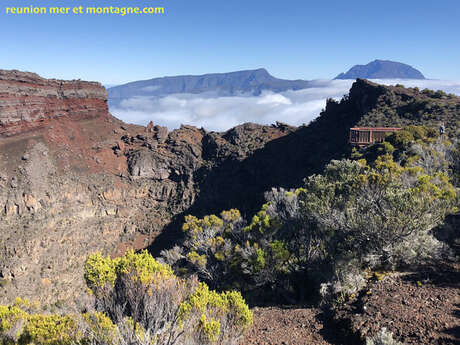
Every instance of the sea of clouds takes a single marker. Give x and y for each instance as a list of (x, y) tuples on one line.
[(219, 113)]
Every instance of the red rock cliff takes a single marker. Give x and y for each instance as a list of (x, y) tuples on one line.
[(27, 101)]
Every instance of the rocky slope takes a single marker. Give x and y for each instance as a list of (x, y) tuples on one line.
[(74, 180)]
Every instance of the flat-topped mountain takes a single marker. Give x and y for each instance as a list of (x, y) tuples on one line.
[(382, 69), (224, 84)]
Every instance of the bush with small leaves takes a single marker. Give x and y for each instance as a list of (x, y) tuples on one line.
[(12, 320), (354, 216), (98, 329), (222, 317), (20, 326), (409, 135), (209, 246), (454, 160), (151, 305), (49, 330)]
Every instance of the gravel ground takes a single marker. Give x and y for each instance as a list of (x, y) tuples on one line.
[(285, 326), (420, 307)]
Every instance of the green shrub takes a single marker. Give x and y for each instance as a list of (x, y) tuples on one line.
[(223, 317), (9, 315), (210, 246), (99, 271), (18, 326), (148, 303), (49, 330), (353, 216), (139, 301), (98, 328)]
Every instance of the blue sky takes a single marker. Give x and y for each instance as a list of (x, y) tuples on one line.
[(291, 38)]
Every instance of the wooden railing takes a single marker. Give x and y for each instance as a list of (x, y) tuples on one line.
[(362, 136)]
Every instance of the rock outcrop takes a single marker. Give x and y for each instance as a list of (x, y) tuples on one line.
[(28, 101)]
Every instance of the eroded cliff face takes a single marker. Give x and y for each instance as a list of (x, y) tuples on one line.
[(75, 180), (57, 196), (28, 101)]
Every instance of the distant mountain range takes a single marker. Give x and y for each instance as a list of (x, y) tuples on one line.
[(223, 84), (251, 82), (382, 69)]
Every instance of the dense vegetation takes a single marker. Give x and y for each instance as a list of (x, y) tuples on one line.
[(138, 301), (399, 106), (373, 213)]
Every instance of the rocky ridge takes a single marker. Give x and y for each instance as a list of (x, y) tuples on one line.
[(28, 101)]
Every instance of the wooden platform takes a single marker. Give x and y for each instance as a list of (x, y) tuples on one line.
[(362, 136)]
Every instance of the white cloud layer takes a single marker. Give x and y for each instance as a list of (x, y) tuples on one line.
[(221, 113)]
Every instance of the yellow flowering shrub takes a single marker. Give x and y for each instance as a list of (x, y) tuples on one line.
[(49, 330)]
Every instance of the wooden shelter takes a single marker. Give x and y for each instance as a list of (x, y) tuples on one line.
[(362, 136)]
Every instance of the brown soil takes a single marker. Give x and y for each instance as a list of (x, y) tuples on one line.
[(275, 325), (418, 308)]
